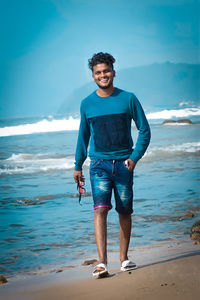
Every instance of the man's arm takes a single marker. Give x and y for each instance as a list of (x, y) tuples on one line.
[(81, 147), (144, 134)]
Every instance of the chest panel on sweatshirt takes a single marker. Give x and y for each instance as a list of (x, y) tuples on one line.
[(110, 132)]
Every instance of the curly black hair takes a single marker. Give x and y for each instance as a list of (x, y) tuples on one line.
[(101, 58)]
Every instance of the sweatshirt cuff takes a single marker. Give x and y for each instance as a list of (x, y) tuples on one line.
[(134, 157), (77, 168)]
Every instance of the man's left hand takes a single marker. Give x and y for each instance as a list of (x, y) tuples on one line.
[(130, 164)]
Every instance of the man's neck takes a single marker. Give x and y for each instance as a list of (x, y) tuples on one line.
[(105, 92)]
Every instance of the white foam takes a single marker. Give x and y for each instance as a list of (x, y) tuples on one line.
[(41, 126), (177, 113), (176, 124), (25, 163), (170, 150)]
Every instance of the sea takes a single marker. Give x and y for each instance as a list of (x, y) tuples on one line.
[(42, 224)]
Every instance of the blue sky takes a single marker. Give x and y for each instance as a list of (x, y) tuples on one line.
[(45, 44)]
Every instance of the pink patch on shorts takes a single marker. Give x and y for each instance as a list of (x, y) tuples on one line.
[(102, 206)]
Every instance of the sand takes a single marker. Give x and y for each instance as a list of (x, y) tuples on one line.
[(177, 278), (169, 270)]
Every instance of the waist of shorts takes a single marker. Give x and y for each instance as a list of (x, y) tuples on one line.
[(111, 160), (119, 155)]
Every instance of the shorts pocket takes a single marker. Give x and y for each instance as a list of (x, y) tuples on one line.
[(94, 163)]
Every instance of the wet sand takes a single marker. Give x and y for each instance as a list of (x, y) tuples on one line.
[(175, 279), (172, 276)]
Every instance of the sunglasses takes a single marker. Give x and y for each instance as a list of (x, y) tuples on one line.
[(81, 189)]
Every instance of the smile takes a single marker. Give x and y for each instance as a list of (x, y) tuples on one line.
[(104, 80)]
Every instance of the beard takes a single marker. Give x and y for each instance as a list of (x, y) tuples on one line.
[(104, 87)]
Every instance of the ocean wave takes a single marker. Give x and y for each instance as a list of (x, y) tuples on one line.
[(173, 150), (175, 113), (176, 124), (25, 163), (41, 126), (54, 125)]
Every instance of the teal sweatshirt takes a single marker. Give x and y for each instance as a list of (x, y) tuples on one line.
[(106, 126)]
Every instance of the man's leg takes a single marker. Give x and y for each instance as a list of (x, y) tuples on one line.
[(125, 223), (101, 184), (100, 225), (123, 190)]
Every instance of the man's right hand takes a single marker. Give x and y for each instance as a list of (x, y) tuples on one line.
[(78, 176)]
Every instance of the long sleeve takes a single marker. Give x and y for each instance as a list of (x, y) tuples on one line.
[(144, 134), (83, 141)]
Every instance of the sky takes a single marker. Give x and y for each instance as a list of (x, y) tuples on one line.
[(45, 44)]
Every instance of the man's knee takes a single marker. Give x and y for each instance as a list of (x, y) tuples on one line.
[(101, 211), (125, 216)]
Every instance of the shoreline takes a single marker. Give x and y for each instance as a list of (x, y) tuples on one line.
[(150, 258), (142, 254)]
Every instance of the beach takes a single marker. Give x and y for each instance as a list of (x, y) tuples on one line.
[(46, 235), (164, 272)]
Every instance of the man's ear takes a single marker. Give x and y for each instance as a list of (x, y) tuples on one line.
[(114, 73)]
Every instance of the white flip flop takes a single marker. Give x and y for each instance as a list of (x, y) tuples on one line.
[(128, 265), (100, 270)]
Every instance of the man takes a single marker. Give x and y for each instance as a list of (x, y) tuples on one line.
[(106, 117)]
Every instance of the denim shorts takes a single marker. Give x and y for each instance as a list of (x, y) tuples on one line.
[(107, 175)]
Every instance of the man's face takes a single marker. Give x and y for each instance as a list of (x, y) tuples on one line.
[(103, 75)]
